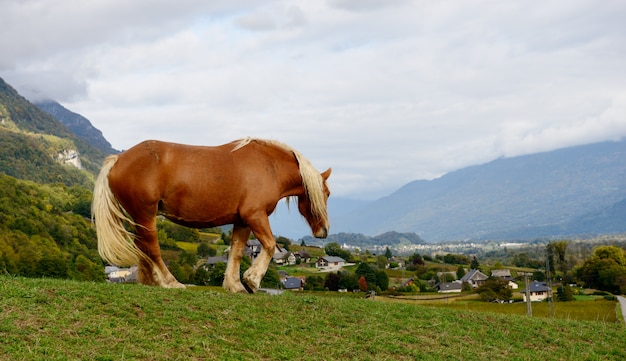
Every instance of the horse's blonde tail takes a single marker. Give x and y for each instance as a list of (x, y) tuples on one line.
[(115, 243)]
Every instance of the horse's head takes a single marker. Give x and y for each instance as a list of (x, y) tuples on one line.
[(313, 208)]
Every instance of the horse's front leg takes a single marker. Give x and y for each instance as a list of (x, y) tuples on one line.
[(232, 281), (253, 276)]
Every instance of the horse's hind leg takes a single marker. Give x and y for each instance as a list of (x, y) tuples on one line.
[(151, 269), (232, 281)]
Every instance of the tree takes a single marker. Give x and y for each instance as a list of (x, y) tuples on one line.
[(314, 282), (187, 258), (417, 260), (475, 264), (348, 281), (605, 270), (556, 255), (332, 282), (334, 249), (460, 272), (362, 284), (216, 276), (271, 278), (366, 271), (564, 293), (201, 277), (456, 259), (284, 242), (381, 261), (388, 253), (205, 250), (84, 269), (494, 288), (382, 280), (52, 266)]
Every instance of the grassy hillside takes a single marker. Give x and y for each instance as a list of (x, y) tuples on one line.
[(68, 320)]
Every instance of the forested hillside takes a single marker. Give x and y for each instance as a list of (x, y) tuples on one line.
[(46, 177), (44, 231)]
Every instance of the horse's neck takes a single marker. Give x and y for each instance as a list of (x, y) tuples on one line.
[(288, 174)]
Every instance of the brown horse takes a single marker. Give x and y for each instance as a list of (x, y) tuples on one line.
[(238, 183)]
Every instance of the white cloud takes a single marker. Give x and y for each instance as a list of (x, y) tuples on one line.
[(385, 92)]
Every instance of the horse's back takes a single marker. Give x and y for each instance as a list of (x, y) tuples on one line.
[(193, 184)]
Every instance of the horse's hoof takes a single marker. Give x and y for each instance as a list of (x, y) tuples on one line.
[(248, 288)]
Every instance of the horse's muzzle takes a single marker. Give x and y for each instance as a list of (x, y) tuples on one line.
[(322, 233)]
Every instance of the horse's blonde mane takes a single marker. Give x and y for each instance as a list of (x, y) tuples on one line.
[(311, 179)]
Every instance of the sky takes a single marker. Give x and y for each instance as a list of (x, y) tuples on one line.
[(385, 92)]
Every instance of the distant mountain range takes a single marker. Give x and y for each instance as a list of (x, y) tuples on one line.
[(573, 191)]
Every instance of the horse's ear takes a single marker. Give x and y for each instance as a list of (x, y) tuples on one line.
[(326, 173)]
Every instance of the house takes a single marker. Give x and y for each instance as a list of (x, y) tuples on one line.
[(253, 248), (294, 283), (303, 256), (283, 275), (395, 261), (121, 275), (539, 291), (212, 261), (505, 274), (474, 277), (284, 257), (449, 287), (330, 261)]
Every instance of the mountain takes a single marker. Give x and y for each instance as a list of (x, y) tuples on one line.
[(35, 146), (573, 191), (366, 242), (77, 124)]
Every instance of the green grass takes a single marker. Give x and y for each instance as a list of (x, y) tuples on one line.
[(590, 308), (45, 319)]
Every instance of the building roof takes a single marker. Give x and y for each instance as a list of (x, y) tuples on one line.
[(333, 259), (450, 286), (216, 259), (501, 273), (292, 283), (474, 275), (282, 254), (537, 286), (303, 253)]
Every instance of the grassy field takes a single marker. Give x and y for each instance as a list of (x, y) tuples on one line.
[(590, 308), (44, 319)]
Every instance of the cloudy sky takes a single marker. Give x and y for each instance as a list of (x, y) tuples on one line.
[(383, 91)]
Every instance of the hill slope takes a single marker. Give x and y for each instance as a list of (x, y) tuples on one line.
[(579, 190), (64, 320)]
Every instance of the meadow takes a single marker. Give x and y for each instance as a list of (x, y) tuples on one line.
[(48, 319)]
